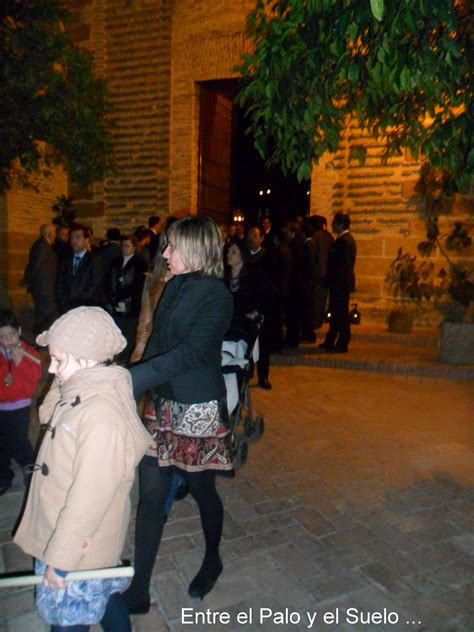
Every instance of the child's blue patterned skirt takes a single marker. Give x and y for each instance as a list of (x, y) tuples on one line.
[(82, 602)]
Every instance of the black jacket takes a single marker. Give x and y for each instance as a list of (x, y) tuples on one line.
[(340, 275), (85, 287), (182, 360), (125, 285), (41, 270), (255, 291)]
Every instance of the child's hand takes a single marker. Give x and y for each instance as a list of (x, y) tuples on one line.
[(51, 580)]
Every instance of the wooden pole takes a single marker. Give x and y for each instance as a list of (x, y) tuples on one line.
[(98, 573)]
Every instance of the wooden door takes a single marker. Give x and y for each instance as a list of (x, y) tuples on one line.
[(215, 145)]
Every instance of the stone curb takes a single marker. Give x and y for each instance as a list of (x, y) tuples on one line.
[(441, 371)]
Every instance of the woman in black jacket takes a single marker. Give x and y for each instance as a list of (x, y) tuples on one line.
[(182, 367), (124, 290), (254, 294)]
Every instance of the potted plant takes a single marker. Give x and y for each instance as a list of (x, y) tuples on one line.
[(451, 288), (409, 281)]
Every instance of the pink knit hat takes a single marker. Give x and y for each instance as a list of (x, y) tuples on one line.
[(86, 332)]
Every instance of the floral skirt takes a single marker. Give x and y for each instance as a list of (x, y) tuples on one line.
[(82, 602), (191, 437)]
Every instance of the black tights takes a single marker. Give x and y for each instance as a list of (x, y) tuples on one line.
[(154, 487)]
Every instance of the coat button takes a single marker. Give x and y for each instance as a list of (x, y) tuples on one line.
[(84, 546)]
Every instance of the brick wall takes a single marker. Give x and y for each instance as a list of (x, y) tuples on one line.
[(131, 46), (22, 212)]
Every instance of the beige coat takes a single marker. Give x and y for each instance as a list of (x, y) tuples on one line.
[(78, 509)]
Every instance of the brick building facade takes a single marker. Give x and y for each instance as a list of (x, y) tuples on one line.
[(154, 54)]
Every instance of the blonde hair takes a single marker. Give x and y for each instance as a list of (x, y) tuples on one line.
[(199, 242)]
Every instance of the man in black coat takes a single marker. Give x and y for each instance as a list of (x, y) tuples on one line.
[(259, 264), (111, 250), (80, 279), (40, 279), (323, 241), (340, 280), (61, 245), (155, 226)]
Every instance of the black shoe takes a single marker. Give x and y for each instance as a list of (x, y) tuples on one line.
[(4, 487), (134, 605), (325, 345), (182, 491), (265, 384), (204, 581)]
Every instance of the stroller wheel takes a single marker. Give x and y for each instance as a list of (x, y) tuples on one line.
[(259, 427), (241, 452), (253, 430), (248, 427)]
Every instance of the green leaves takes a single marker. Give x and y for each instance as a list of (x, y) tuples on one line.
[(48, 94), (317, 62), (304, 171), (377, 7)]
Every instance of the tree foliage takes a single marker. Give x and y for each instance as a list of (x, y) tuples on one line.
[(403, 70), (52, 108)]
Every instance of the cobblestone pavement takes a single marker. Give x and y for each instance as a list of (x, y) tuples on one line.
[(357, 503)]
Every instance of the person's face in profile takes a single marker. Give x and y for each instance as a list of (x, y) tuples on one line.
[(173, 258)]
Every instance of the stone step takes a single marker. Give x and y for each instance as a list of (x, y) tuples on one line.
[(383, 355), (419, 337)]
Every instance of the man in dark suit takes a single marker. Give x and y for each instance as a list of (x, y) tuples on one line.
[(111, 249), (307, 281), (323, 241), (40, 279), (80, 279), (155, 226), (340, 280), (259, 265), (61, 244)]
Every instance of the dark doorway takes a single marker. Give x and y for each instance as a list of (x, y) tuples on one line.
[(233, 178)]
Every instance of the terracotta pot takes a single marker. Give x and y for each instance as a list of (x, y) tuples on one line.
[(456, 343), (400, 321)]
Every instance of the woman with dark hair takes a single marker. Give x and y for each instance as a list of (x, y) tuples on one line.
[(182, 367), (242, 282), (254, 294)]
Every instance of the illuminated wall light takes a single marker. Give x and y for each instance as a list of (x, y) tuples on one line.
[(260, 192), (269, 191)]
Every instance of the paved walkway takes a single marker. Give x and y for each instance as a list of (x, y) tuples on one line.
[(357, 503)]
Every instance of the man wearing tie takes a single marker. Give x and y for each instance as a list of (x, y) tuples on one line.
[(340, 279), (80, 278)]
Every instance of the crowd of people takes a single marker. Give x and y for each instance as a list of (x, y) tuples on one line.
[(162, 304), (284, 274)]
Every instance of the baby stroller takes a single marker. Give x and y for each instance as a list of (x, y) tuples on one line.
[(239, 354)]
